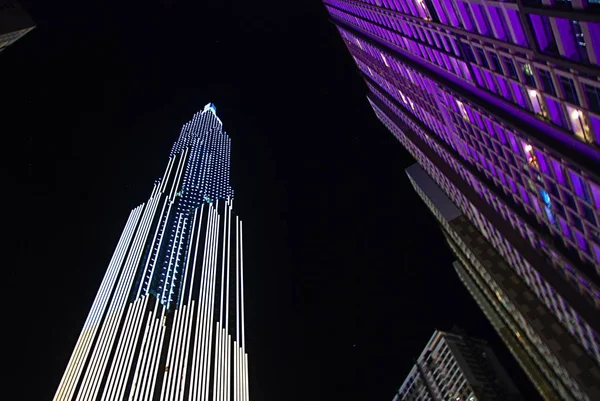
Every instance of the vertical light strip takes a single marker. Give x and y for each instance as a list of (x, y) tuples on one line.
[(82, 348), (131, 311), (93, 376), (162, 236), (170, 264), (227, 284), (168, 360), (217, 364), (157, 230), (143, 355), (242, 286), (193, 245), (202, 328), (127, 340), (166, 175), (179, 242), (200, 312), (208, 369), (150, 357), (158, 351)]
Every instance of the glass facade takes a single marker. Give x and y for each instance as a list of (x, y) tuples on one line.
[(497, 102), (168, 320), (455, 367), (555, 363)]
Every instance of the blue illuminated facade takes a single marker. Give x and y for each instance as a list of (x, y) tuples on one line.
[(168, 320), (197, 173)]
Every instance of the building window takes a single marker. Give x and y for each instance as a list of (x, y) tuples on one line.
[(547, 83), (510, 68), (483, 61), (580, 40), (592, 93), (468, 53), (568, 88), (496, 62), (528, 73)]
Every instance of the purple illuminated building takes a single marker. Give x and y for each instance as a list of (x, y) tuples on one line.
[(499, 102)]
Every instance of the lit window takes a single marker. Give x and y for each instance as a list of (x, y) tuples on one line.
[(384, 60), (463, 110)]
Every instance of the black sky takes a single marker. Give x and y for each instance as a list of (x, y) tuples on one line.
[(347, 273)]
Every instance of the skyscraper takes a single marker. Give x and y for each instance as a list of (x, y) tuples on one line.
[(457, 367), (500, 105), (168, 320), (557, 366), (14, 23)]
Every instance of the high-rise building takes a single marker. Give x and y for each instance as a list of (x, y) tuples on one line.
[(558, 367), (14, 23), (499, 102), (168, 320), (459, 368)]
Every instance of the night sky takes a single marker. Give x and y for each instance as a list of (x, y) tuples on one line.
[(347, 274)]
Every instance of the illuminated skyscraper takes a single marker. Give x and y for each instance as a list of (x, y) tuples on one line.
[(168, 320), (499, 102), (458, 368), (557, 366), (14, 23)]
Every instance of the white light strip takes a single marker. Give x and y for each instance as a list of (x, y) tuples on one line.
[(162, 236), (148, 364), (227, 284), (242, 286), (94, 375), (165, 179), (143, 355), (131, 310), (168, 360), (201, 329), (170, 265), (82, 348), (155, 366), (156, 231), (207, 369)]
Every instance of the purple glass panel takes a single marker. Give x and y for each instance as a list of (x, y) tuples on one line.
[(567, 38), (497, 21), (555, 110), (484, 27), (540, 30), (596, 251), (490, 80), (512, 185), (513, 143), (451, 14), (504, 88), (595, 122), (558, 173), (524, 194), (594, 41), (466, 16), (536, 206), (581, 241), (515, 23), (565, 228), (578, 185), (502, 178), (478, 76), (541, 158), (518, 94), (595, 194)]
